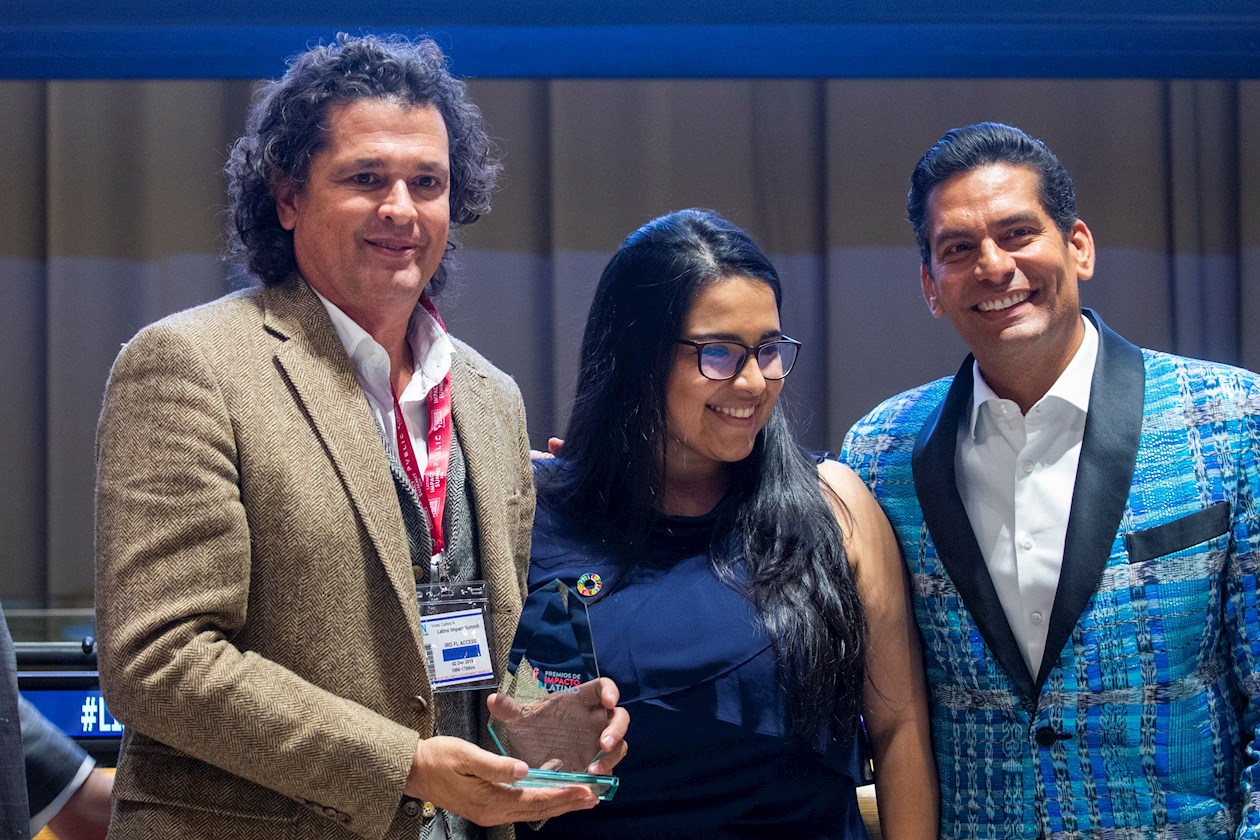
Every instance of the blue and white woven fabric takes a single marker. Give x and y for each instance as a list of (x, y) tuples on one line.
[(1143, 720)]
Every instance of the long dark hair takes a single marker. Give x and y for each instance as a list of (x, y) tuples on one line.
[(776, 526)]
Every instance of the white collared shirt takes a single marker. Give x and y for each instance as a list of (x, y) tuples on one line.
[(432, 350), (1016, 476)]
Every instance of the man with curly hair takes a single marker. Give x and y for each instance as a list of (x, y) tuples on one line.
[(282, 471)]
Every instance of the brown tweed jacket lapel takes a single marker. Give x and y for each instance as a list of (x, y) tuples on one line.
[(309, 348), (490, 421)]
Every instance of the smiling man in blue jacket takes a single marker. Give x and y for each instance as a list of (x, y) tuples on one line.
[(1079, 517)]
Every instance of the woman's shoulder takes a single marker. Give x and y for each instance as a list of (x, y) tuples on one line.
[(846, 486), (838, 476), (559, 548), (862, 520)]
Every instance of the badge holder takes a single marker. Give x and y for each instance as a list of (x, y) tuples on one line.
[(455, 623)]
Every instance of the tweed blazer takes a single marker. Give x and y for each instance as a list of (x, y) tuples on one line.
[(259, 635), (1142, 722)]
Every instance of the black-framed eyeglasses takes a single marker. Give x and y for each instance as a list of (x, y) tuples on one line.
[(725, 359)]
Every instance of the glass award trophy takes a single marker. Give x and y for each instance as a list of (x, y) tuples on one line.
[(547, 712)]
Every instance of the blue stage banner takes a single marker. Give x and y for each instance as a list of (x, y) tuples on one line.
[(79, 713)]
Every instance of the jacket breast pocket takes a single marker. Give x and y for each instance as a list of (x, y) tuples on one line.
[(1165, 610), (1179, 534)]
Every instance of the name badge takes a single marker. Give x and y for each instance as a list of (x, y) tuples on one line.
[(455, 624)]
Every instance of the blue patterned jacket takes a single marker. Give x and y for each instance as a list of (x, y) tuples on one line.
[(1143, 720)]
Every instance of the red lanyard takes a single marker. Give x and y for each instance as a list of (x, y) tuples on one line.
[(431, 484)]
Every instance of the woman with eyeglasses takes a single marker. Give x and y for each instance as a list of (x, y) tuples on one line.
[(749, 603)]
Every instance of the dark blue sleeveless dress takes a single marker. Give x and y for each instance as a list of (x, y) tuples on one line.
[(709, 751)]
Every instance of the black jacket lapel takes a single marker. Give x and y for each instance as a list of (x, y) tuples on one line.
[(946, 518), (1113, 429)]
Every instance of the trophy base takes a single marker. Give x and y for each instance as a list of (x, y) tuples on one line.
[(605, 787)]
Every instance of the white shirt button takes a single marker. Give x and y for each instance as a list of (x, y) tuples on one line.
[(1035, 618), (1028, 467), (1027, 544)]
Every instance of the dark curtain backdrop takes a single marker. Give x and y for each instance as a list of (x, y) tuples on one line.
[(113, 202)]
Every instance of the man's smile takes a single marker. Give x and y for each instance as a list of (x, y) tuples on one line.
[(1003, 303)]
